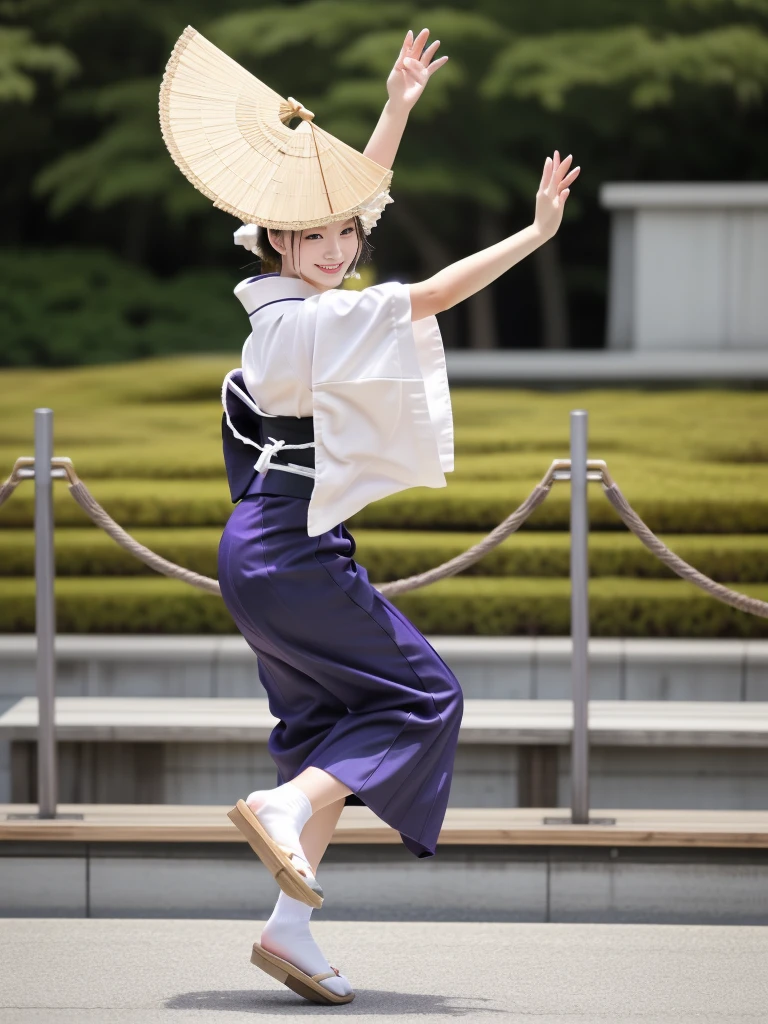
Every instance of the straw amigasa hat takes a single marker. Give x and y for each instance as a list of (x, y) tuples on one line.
[(228, 133)]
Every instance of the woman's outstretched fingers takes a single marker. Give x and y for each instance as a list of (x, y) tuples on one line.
[(407, 44), (555, 168), (569, 179), (546, 175), (418, 44), (436, 64), (429, 53), (426, 60), (563, 169)]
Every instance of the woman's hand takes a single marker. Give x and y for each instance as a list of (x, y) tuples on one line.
[(468, 276), (413, 69), (553, 191)]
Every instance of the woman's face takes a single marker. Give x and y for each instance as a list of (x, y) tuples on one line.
[(322, 255)]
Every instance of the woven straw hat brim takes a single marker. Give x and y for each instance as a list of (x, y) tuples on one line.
[(226, 132)]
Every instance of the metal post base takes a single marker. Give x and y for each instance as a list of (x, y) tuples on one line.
[(569, 821), (44, 817)]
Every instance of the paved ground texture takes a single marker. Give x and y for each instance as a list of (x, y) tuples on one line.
[(82, 971)]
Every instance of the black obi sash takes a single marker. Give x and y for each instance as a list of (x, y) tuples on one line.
[(240, 458)]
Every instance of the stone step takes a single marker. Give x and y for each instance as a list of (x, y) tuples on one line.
[(664, 754), (487, 667), (662, 724)]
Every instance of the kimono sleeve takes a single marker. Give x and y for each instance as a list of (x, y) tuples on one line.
[(381, 405)]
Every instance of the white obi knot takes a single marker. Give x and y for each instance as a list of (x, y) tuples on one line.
[(263, 461)]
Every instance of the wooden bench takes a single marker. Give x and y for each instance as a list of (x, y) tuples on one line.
[(515, 722), (466, 826)]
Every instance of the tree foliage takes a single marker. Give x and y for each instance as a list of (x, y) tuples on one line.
[(503, 65), (669, 89), (22, 58), (649, 68), (127, 160)]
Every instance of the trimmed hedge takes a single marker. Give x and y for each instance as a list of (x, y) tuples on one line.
[(468, 606), (131, 503), (392, 554), (145, 438), (468, 506), (642, 608), (687, 429), (482, 506), (162, 416), (534, 554), (182, 441)]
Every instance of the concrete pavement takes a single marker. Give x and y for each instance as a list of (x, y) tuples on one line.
[(86, 971)]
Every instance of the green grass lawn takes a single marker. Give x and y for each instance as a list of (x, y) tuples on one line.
[(145, 437)]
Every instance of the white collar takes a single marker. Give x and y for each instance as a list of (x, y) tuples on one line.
[(256, 292)]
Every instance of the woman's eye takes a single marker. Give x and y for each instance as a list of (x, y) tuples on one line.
[(317, 234)]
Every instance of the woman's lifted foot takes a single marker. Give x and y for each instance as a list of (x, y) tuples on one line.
[(272, 821), (284, 812)]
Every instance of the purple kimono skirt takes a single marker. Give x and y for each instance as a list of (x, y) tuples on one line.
[(357, 689)]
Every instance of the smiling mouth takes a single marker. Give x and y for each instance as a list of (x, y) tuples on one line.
[(333, 268)]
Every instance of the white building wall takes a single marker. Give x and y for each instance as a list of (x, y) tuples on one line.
[(688, 267)]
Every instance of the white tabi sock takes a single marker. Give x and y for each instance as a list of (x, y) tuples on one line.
[(283, 811), (287, 935)]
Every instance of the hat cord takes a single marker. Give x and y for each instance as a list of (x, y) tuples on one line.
[(293, 109)]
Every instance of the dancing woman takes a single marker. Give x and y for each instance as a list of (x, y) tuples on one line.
[(342, 399)]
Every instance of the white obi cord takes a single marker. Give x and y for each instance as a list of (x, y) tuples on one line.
[(374, 382), (264, 461)]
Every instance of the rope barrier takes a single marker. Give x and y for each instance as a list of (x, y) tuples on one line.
[(510, 525), (633, 521), (92, 508), (7, 489)]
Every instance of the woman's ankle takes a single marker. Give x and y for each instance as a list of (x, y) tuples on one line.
[(320, 787)]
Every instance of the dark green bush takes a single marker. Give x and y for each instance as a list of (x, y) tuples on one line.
[(68, 307)]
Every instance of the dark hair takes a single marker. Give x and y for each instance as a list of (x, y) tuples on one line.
[(272, 261)]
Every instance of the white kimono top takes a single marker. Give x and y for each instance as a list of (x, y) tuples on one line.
[(374, 382)]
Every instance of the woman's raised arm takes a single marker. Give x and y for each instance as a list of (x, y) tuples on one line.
[(468, 276), (407, 80)]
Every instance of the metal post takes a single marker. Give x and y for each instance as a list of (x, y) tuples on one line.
[(45, 615), (579, 474), (579, 620)]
